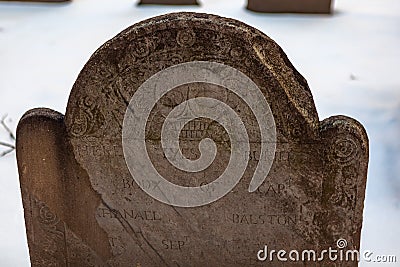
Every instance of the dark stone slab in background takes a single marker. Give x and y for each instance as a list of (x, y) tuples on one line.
[(168, 2), (291, 6)]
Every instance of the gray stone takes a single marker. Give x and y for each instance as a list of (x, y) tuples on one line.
[(91, 199)]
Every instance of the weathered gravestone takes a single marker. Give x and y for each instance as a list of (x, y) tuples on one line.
[(189, 139), (45, 1), (290, 6), (168, 2)]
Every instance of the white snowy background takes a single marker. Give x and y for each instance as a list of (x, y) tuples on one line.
[(350, 59)]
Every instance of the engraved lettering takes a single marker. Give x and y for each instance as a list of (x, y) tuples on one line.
[(259, 219), (173, 244), (143, 215)]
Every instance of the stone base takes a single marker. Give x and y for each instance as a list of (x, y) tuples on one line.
[(168, 2), (290, 6)]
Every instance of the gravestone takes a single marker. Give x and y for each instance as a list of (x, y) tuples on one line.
[(168, 2), (290, 6), (189, 139)]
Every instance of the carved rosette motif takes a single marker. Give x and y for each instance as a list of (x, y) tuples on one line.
[(142, 47), (345, 150), (186, 37)]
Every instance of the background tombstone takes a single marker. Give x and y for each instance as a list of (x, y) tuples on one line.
[(84, 208), (290, 6), (168, 2)]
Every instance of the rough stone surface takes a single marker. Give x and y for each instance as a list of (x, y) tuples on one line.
[(290, 6), (83, 208)]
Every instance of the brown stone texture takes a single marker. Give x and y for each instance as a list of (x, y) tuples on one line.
[(290, 6), (83, 208), (168, 2)]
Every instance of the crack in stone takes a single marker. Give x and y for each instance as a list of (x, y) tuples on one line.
[(136, 235)]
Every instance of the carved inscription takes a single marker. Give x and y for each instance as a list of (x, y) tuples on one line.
[(203, 166), (273, 219), (145, 215)]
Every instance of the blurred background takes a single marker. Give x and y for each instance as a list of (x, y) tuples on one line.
[(350, 60)]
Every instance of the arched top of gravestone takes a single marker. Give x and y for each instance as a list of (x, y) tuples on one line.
[(115, 71)]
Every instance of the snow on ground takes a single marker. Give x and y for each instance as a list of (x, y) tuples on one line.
[(350, 60)]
